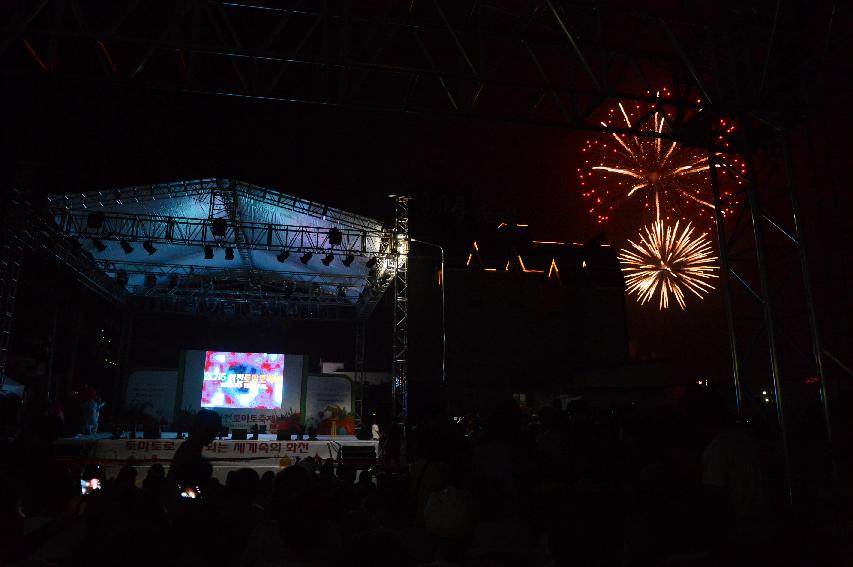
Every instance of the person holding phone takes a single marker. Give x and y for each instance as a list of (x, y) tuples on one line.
[(189, 467)]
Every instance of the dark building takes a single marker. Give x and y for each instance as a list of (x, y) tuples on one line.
[(523, 316)]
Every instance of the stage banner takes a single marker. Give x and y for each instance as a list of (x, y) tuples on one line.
[(148, 451), (150, 397), (328, 404)]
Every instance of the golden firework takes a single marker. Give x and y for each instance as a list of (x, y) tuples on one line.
[(668, 262)]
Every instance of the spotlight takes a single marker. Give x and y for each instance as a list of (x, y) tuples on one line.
[(95, 220), (348, 260), (328, 259), (125, 245), (208, 252), (283, 255), (305, 258), (335, 237), (99, 246), (229, 253), (371, 263), (219, 227), (149, 247)]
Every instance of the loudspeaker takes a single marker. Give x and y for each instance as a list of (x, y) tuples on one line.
[(239, 434)]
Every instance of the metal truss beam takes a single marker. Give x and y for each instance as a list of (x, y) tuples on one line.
[(135, 194), (217, 307), (241, 189), (198, 232), (400, 345), (546, 62)]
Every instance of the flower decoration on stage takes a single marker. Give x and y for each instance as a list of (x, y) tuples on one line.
[(668, 261), (639, 163)]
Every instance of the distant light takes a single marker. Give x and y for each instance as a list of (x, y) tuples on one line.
[(125, 245), (328, 259), (348, 260), (149, 247), (767, 400), (99, 245), (305, 258), (763, 392), (282, 256), (229, 253), (208, 252)]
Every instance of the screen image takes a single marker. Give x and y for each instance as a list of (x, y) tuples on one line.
[(242, 380)]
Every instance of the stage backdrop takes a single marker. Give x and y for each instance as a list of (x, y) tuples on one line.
[(328, 404), (150, 397), (270, 394)]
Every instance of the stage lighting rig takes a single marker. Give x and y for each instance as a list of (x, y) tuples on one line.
[(229, 253), (348, 260), (336, 237), (125, 245), (95, 220), (282, 256), (305, 258), (328, 259), (208, 252), (149, 247), (218, 227), (99, 245)]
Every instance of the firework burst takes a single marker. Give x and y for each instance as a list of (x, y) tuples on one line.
[(667, 262), (669, 179)]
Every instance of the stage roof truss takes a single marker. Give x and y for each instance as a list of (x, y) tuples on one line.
[(228, 249)]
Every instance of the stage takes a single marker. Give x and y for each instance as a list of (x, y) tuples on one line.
[(226, 454)]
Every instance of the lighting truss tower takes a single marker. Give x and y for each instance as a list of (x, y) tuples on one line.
[(400, 347)]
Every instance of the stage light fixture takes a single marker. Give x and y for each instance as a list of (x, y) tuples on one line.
[(371, 263), (328, 259), (229, 253), (218, 227), (305, 258), (99, 245), (149, 247), (335, 237), (125, 245), (95, 220), (282, 256), (348, 260), (208, 252)]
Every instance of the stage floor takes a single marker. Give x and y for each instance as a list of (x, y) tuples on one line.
[(264, 454)]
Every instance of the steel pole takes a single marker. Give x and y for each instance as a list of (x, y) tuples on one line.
[(727, 286)]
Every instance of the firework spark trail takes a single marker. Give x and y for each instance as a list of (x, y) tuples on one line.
[(666, 262)]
